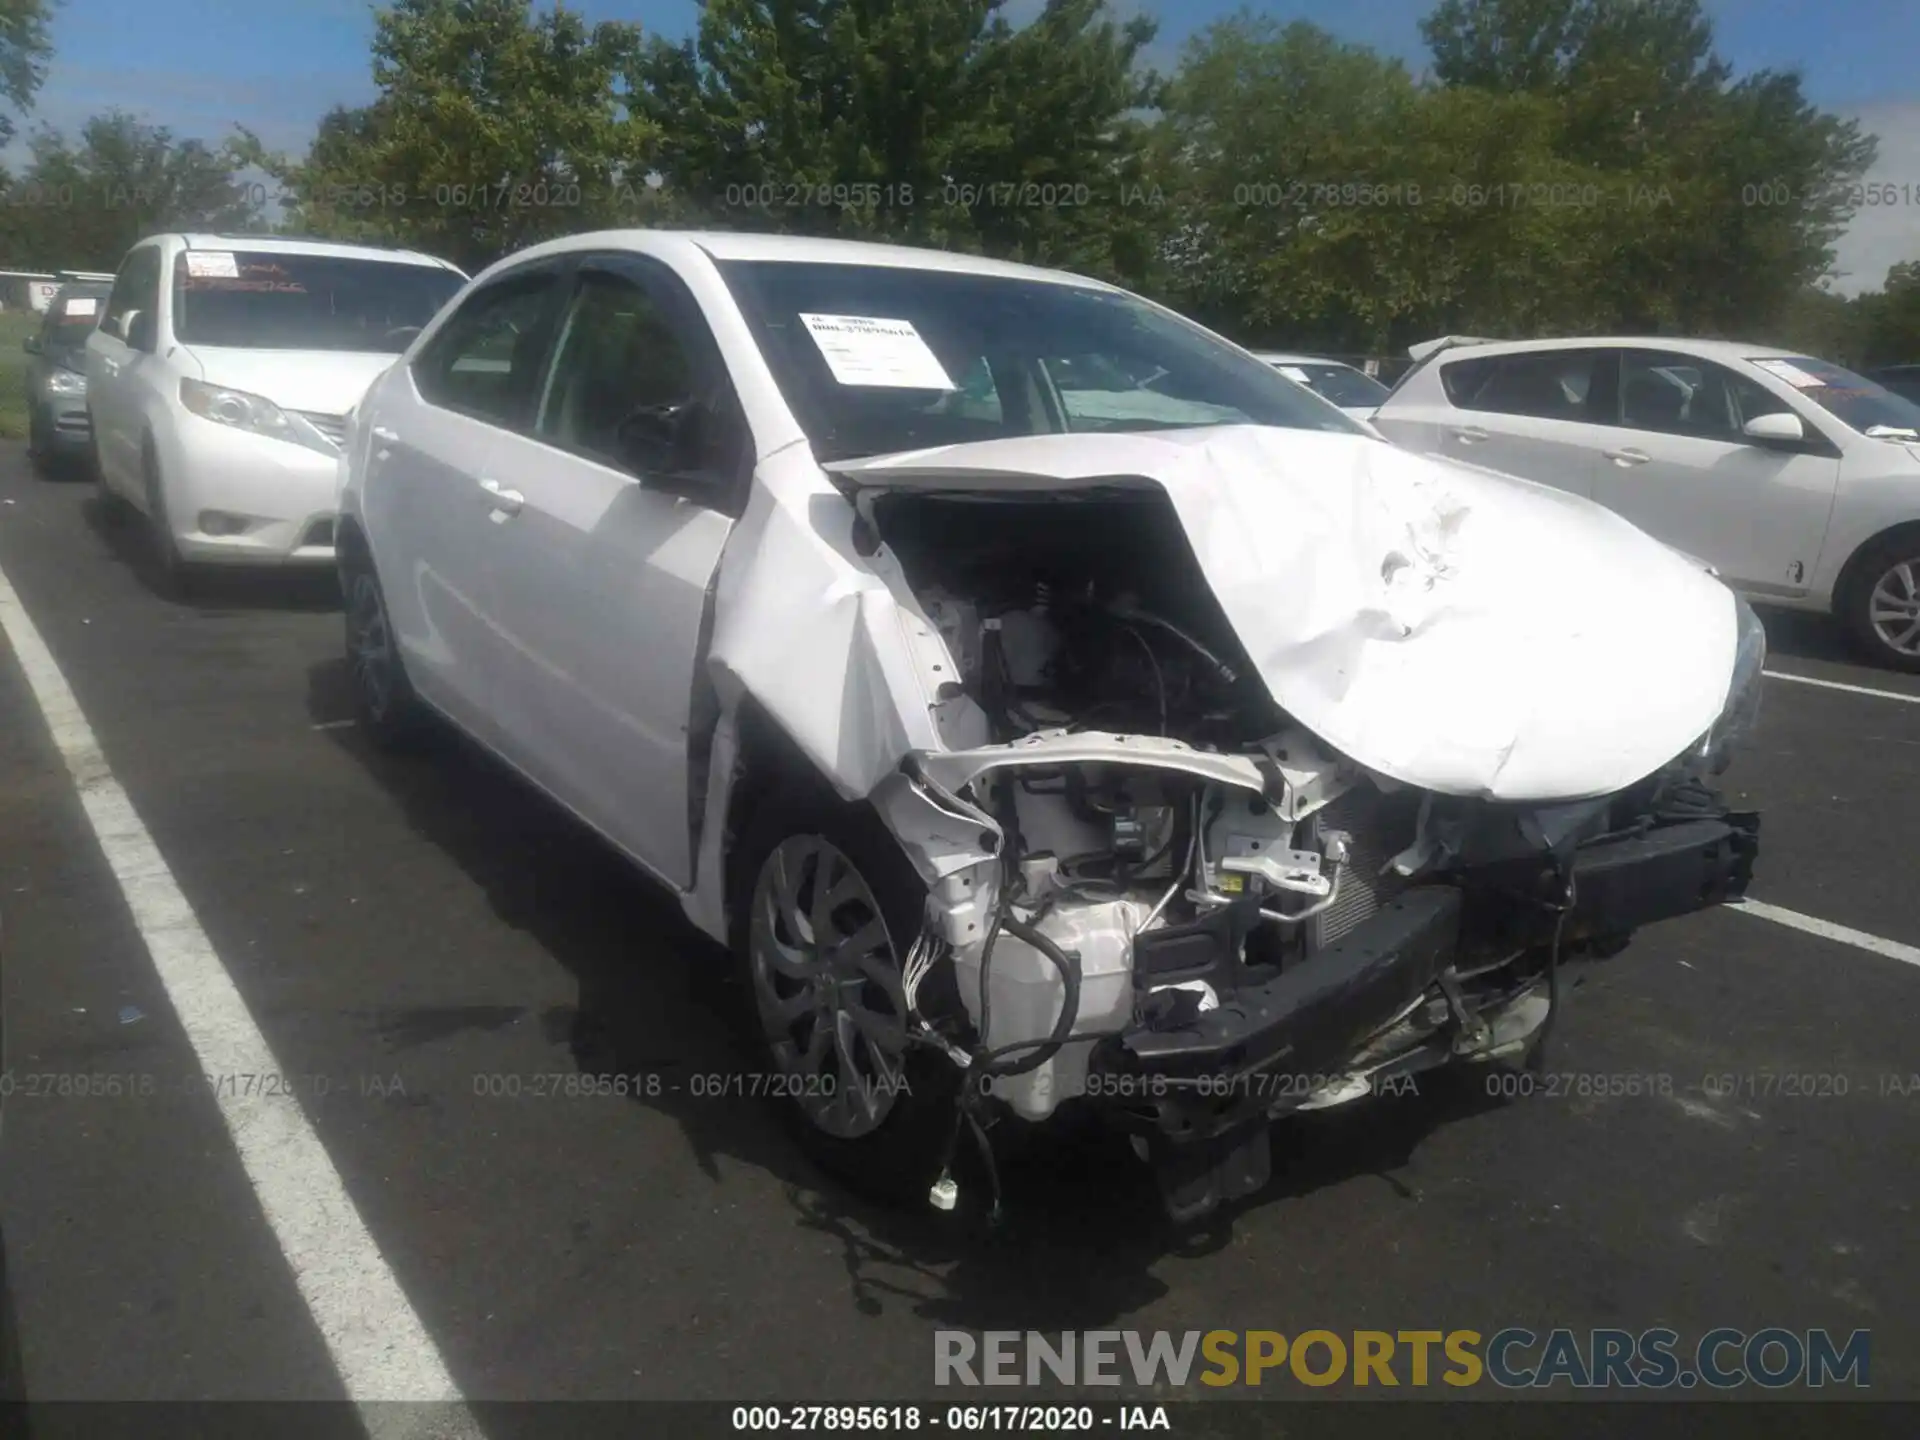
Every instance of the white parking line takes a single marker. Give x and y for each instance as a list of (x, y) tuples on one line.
[(1836, 685), (1827, 930), (378, 1345)]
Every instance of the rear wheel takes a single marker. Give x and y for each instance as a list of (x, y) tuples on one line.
[(384, 700), (825, 905), (1883, 608)]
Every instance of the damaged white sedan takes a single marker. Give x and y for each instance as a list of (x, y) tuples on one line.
[(1047, 703)]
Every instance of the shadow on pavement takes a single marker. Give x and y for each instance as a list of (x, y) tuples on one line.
[(1084, 1225), (1803, 635), (214, 590)]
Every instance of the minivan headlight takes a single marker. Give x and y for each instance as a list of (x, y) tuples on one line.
[(66, 382), (255, 414)]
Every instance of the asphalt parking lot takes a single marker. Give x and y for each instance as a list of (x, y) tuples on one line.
[(400, 931)]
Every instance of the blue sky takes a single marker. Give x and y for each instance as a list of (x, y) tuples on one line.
[(202, 66)]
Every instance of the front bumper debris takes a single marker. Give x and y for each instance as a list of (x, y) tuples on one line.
[(1273, 1043)]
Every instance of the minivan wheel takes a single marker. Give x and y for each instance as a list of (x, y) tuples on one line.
[(824, 905), (383, 697), (175, 574), (1883, 611)]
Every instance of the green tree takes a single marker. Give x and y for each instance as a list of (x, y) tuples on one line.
[(1720, 200), (495, 126), (1330, 201), (25, 47), (933, 120), (1890, 318), (80, 204)]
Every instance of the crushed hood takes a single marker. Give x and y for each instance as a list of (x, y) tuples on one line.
[(1446, 626)]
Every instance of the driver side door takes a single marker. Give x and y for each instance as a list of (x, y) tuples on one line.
[(604, 568)]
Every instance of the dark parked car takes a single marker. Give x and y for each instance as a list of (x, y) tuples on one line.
[(1903, 380), (57, 425)]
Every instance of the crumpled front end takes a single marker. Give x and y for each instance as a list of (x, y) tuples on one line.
[(1197, 863)]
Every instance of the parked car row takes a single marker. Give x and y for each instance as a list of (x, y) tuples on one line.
[(1050, 703)]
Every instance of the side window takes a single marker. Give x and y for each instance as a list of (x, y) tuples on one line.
[(1680, 395), (487, 359), (1546, 384), (629, 363), (136, 287)]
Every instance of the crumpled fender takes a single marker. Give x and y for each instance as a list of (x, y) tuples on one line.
[(834, 651)]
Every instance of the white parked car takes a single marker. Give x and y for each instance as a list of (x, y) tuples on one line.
[(219, 381), (1347, 386), (1188, 753), (1797, 480)]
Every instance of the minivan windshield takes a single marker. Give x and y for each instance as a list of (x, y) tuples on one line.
[(876, 359), (1853, 399), (271, 300)]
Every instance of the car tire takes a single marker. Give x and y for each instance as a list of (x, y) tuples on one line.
[(385, 704), (37, 454), (888, 1146), (1882, 606), (176, 577)]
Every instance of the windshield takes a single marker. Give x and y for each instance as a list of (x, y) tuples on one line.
[(262, 300), (879, 359), (1853, 399), (1342, 384), (71, 318)]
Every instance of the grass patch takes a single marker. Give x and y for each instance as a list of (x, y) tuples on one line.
[(15, 327)]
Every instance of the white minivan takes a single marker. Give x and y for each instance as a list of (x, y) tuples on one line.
[(220, 379)]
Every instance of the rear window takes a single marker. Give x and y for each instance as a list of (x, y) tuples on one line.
[(1547, 384)]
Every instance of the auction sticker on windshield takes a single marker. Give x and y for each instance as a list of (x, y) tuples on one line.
[(1786, 370), (1294, 373), (867, 350), (212, 265)]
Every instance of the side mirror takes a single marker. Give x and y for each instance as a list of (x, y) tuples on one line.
[(665, 439), (142, 331), (31, 345), (1781, 428)]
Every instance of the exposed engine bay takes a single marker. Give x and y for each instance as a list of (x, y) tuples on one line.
[(1163, 896)]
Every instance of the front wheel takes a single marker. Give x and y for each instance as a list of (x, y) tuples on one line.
[(825, 904), (176, 576), (1883, 611)]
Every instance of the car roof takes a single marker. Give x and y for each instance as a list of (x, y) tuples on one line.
[(728, 245), (1722, 350), (300, 245)]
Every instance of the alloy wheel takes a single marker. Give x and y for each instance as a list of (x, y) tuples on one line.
[(370, 644), (827, 987), (1893, 608)]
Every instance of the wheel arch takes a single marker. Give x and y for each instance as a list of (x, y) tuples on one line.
[(1853, 572)]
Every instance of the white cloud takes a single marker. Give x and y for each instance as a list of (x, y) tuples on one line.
[(1883, 235)]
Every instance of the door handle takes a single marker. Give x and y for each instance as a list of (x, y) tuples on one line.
[(505, 502), (1470, 435), (1628, 457), (384, 435)]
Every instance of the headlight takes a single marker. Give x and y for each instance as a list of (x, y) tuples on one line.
[(66, 382), (1742, 710), (253, 413)]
